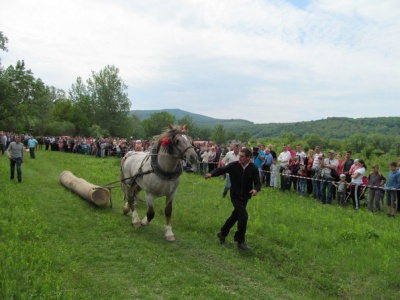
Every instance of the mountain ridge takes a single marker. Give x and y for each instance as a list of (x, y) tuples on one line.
[(331, 127)]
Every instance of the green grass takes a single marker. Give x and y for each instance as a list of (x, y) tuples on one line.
[(54, 245)]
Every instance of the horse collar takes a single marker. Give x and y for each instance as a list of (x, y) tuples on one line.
[(159, 171)]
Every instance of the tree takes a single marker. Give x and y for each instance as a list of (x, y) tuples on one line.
[(156, 122), (25, 100), (219, 135), (104, 100), (3, 44), (313, 139), (204, 134), (135, 127), (357, 142), (192, 128), (244, 136)]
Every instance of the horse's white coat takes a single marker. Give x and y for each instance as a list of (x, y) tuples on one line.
[(153, 184)]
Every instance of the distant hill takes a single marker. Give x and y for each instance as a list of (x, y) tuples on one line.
[(335, 127), (199, 120)]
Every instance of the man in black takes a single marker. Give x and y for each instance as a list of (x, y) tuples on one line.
[(245, 182), (347, 163)]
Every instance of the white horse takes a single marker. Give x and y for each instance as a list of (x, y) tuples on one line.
[(157, 173)]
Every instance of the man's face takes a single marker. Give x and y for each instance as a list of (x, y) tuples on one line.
[(348, 155), (18, 139), (298, 148), (317, 150), (243, 159), (236, 150), (284, 148)]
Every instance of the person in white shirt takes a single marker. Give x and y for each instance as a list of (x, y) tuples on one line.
[(283, 159), (300, 152), (316, 164), (231, 156), (356, 182)]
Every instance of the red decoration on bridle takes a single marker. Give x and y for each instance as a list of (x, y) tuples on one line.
[(165, 142)]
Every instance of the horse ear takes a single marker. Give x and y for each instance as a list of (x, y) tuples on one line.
[(171, 126), (184, 128)]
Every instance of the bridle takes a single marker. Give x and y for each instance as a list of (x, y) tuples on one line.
[(181, 154)]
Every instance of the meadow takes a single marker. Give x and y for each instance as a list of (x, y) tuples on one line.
[(55, 245)]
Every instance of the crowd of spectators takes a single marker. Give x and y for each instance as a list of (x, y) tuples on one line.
[(316, 173)]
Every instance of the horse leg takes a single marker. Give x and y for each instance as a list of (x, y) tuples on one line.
[(169, 236), (150, 209), (131, 195)]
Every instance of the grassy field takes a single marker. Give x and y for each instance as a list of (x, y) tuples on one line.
[(54, 245)]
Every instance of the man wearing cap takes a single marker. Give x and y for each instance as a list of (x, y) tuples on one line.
[(328, 164)]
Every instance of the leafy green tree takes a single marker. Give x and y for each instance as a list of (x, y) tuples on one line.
[(192, 128), (219, 134), (103, 99), (204, 134), (26, 101), (156, 123), (244, 136), (135, 128), (230, 136), (313, 139), (3, 44), (357, 142)]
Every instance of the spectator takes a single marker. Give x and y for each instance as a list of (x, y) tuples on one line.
[(328, 164), (356, 182), (393, 183), (375, 181)]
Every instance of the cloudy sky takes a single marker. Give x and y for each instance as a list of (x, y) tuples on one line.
[(265, 61)]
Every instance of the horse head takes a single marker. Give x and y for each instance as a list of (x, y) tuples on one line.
[(176, 139)]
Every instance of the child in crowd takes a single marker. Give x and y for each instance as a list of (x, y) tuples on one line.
[(274, 174), (302, 172), (342, 186), (286, 178)]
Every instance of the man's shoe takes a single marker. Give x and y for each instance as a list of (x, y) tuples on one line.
[(224, 194), (221, 238), (243, 246), (19, 179)]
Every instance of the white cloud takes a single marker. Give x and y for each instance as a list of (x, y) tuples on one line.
[(223, 58)]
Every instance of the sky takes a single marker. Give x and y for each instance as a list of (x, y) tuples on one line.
[(265, 61)]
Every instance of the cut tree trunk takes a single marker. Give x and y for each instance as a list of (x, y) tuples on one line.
[(97, 195)]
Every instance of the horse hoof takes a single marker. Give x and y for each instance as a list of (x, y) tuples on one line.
[(170, 238), (144, 222), (137, 224)]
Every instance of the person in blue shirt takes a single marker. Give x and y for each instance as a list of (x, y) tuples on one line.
[(32, 142), (266, 167), (258, 158), (392, 184)]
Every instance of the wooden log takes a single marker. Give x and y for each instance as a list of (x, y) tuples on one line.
[(97, 195)]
